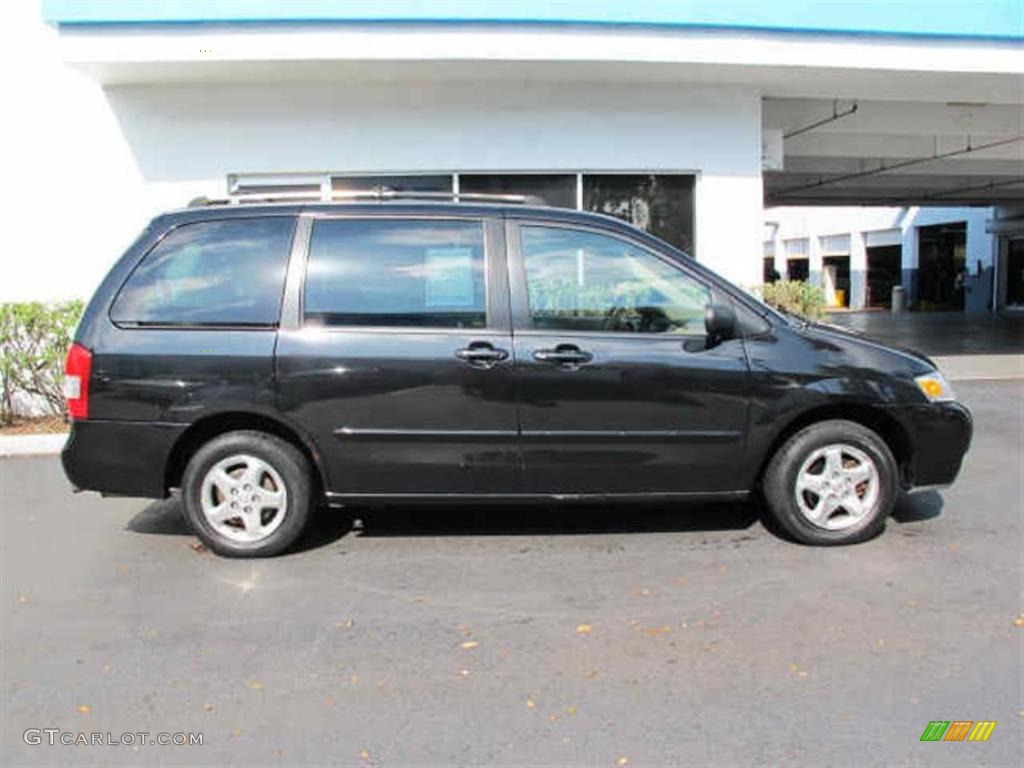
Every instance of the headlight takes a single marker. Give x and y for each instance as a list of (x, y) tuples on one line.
[(935, 387)]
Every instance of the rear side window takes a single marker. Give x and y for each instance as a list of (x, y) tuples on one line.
[(396, 272), (228, 272)]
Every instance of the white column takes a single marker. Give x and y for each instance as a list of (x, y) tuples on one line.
[(780, 253), (980, 260), (909, 256), (729, 219), (858, 271), (814, 260)]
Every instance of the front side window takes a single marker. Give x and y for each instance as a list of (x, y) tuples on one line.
[(584, 281), (226, 272), (396, 272)]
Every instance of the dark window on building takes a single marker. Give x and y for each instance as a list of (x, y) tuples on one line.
[(884, 273), (661, 204), (227, 272), (942, 266), (583, 281), (388, 272), (771, 274), (798, 269), (399, 183), (1015, 272), (557, 189), (312, 190)]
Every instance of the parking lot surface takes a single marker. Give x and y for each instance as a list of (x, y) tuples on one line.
[(605, 636)]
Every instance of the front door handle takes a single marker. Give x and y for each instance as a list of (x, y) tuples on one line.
[(481, 354), (567, 355)]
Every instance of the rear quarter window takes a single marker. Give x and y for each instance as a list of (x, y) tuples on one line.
[(224, 272)]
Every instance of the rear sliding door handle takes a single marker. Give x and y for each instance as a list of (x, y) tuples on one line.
[(481, 354)]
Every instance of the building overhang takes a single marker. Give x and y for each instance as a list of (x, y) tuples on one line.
[(873, 152), (939, 97), (777, 64)]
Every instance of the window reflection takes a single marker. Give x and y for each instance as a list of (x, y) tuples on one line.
[(398, 183), (227, 272), (391, 272), (583, 281), (661, 204), (556, 189)]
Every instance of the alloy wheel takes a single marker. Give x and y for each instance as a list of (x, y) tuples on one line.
[(837, 487), (243, 498)]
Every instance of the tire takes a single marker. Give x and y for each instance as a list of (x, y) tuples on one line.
[(268, 481), (834, 482)]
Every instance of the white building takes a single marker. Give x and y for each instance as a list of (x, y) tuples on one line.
[(688, 118), (943, 257)]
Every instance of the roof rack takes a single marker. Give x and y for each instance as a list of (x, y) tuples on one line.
[(375, 194)]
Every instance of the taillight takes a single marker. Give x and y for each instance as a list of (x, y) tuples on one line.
[(77, 368)]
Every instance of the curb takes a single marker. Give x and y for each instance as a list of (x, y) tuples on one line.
[(979, 367), (32, 445)]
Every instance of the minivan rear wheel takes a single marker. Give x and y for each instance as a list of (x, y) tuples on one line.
[(834, 482), (247, 494)]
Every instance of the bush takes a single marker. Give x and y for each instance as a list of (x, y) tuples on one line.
[(34, 339), (795, 297)]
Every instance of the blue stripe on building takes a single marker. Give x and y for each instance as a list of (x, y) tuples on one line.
[(999, 19)]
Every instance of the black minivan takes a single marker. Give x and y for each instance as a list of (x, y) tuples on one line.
[(267, 357)]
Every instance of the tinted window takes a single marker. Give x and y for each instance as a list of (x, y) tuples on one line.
[(228, 272), (583, 281), (391, 272)]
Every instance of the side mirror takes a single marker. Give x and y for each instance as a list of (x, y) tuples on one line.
[(720, 322)]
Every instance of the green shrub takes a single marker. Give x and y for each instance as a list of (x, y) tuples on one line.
[(34, 339), (795, 297)]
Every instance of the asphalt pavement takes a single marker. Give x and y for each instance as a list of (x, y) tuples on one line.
[(597, 636)]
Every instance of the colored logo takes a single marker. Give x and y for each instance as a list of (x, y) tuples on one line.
[(958, 730)]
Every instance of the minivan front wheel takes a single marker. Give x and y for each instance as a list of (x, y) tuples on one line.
[(247, 494), (834, 482)]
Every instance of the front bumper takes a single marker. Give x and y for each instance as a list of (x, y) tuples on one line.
[(120, 458), (940, 434)]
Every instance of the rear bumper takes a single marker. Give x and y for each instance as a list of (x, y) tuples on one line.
[(120, 458), (940, 434)]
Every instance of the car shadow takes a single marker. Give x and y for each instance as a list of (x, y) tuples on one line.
[(329, 525), (165, 517), (915, 507)]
